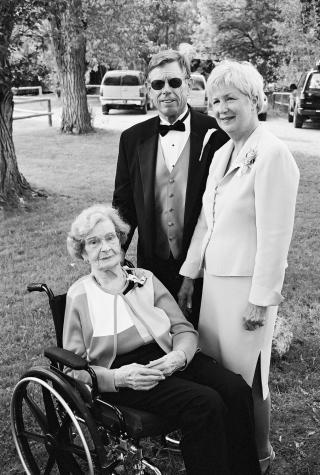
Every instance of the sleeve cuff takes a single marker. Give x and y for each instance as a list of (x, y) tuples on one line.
[(264, 297), (191, 270)]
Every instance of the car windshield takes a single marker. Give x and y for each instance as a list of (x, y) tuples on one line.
[(111, 81), (314, 81), (130, 80), (197, 84)]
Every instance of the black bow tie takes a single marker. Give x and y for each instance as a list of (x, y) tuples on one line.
[(164, 129), (179, 125)]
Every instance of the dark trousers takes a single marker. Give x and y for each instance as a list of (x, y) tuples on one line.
[(212, 406), (167, 271)]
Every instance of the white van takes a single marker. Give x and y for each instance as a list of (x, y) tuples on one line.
[(198, 98), (124, 89)]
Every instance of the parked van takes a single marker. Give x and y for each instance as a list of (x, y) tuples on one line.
[(198, 98), (124, 89)]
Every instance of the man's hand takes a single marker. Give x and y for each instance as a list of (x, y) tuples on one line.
[(254, 317), (185, 295), (169, 363), (138, 377)]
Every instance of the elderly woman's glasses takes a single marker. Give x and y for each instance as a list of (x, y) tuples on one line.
[(95, 242), (158, 84)]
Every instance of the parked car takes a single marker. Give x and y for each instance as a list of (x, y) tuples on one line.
[(263, 113), (304, 100), (198, 98), (124, 89)]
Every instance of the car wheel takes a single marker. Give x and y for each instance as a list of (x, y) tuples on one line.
[(297, 120), (105, 110), (263, 116)]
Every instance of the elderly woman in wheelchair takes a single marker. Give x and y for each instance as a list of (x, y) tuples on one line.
[(133, 346)]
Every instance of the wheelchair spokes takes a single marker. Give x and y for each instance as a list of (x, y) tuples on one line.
[(47, 434)]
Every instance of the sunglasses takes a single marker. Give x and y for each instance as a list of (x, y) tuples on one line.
[(158, 84)]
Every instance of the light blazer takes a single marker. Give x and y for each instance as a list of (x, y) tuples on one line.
[(134, 193), (93, 330), (247, 217)]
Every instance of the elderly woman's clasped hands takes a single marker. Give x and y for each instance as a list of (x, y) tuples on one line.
[(145, 377)]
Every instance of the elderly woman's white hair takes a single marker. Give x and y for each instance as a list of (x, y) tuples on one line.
[(86, 221), (240, 75)]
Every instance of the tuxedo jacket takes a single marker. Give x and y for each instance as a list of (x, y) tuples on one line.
[(246, 222), (134, 193)]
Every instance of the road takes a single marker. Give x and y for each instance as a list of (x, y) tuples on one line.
[(305, 140)]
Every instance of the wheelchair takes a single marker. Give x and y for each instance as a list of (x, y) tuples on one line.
[(61, 425)]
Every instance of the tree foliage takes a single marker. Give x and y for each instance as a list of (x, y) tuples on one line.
[(125, 34), (299, 38), (240, 29)]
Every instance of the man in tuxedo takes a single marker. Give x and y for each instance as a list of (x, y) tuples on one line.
[(161, 173)]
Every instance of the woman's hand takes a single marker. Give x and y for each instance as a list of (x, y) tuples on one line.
[(254, 317), (169, 363), (138, 377), (185, 295)]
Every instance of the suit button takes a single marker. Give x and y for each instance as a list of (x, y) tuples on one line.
[(171, 195), (171, 209), (171, 180), (170, 223)]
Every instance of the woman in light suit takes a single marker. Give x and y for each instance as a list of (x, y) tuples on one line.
[(242, 237)]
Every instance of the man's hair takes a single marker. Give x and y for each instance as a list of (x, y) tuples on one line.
[(169, 56)]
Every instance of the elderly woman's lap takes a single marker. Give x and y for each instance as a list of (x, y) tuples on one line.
[(214, 409)]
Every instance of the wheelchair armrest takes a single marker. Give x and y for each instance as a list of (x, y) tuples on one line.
[(71, 360), (66, 357)]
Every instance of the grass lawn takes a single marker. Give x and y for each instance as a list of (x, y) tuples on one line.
[(78, 171)]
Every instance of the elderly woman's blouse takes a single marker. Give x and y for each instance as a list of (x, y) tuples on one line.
[(100, 325)]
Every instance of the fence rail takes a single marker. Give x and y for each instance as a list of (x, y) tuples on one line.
[(281, 100), (93, 91), (31, 113), (16, 90)]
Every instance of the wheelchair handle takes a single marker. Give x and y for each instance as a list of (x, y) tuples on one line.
[(38, 287)]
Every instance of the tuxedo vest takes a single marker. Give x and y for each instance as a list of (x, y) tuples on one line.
[(170, 194)]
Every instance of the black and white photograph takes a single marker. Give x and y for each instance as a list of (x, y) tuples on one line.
[(159, 237)]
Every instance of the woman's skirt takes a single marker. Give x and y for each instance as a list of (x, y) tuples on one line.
[(221, 330)]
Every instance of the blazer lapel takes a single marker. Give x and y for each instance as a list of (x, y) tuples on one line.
[(222, 157), (197, 168), (250, 144), (147, 152)]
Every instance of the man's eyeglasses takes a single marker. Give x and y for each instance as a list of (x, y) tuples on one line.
[(158, 84)]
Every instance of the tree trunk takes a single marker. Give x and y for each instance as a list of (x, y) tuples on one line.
[(13, 186), (69, 41)]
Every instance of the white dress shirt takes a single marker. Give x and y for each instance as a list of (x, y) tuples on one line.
[(174, 141)]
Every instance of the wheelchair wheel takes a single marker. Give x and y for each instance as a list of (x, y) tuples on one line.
[(52, 429)]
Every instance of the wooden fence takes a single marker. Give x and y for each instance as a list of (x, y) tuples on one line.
[(27, 113), (281, 100)]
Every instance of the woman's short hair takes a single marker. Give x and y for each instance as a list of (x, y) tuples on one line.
[(240, 75), (169, 56), (87, 220)]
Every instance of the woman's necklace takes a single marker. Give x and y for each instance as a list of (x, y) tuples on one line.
[(117, 286)]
